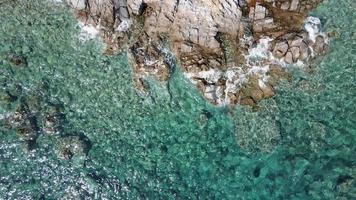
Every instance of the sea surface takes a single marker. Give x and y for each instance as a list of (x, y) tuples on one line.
[(170, 143)]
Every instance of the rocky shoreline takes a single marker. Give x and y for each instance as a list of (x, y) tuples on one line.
[(233, 51)]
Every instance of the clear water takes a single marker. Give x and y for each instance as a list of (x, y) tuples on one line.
[(171, 143)]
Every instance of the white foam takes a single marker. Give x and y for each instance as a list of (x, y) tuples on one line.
[(4, 116), (258, 61), (300, 64), (210, 75), (88, 31), (313, 27), (259, 69), (261, 49), (254, 60), (237, 76)]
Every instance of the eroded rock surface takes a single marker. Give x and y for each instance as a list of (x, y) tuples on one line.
[(233, 51)]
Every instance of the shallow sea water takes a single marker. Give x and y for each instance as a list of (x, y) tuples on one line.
[(171, 143)]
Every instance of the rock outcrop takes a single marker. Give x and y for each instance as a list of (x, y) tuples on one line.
[(233, 51)]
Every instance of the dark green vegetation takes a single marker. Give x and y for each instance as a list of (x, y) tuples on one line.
[(81, 129)]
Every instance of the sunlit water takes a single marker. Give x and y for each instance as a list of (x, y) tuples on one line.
[(171, 143)]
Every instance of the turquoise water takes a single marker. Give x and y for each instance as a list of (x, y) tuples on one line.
[(171, 143)]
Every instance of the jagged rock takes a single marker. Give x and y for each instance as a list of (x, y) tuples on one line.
[(280, 49), (148, 59), (24, 124), (289, 58), (220, 44)]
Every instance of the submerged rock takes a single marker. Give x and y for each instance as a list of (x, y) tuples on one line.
[(219, 43), (52, 120), (30, 115), (24, 124), (73, 146), (17, 60)]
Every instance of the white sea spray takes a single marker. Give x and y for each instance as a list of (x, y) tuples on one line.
[(313, 27), (88, 31)]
